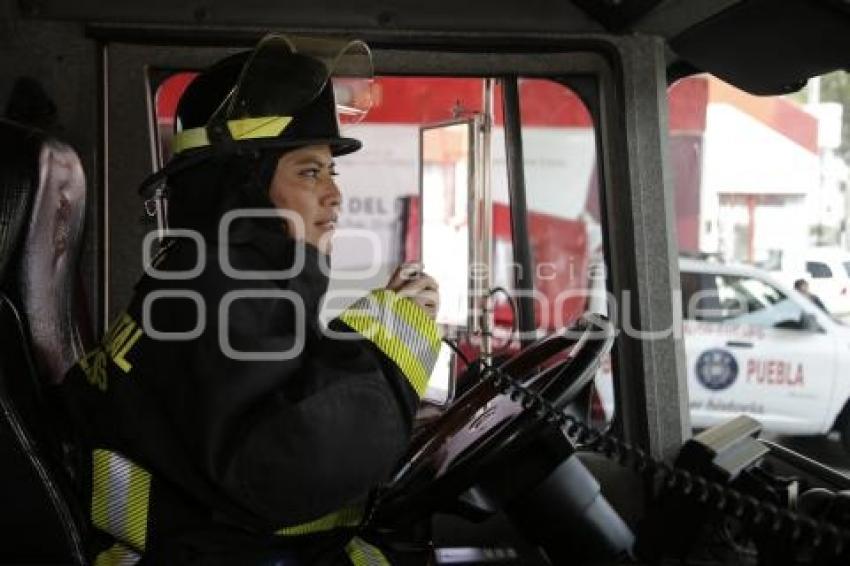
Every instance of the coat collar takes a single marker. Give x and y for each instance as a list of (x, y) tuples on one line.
[(267, 237)]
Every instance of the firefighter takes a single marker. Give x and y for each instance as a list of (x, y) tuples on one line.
[(222, 423)]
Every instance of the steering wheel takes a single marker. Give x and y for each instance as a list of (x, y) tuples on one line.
[(485, 424)]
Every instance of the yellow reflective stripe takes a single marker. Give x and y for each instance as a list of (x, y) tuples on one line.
[(395, 349), (401, 330), (243, 129), (137, 507), (412, 314), (117, 555), (189, 139), (347, 517), (100, 490), (120, 498), (361, 553), (252, 128)]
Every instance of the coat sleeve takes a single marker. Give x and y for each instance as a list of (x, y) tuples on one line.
[(296, 425)]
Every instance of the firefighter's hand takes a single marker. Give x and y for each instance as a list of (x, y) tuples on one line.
[(410, 281), (426, 415)]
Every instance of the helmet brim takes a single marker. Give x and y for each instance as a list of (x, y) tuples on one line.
[(196, 157)]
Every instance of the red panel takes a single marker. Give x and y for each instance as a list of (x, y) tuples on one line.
[(791, 120), (549, 104), (686, 169), (423, 100), (561, 245), (688, 99), (420, 100), (559, 249), (169, 94), (412, 231), (782, 115), (502, 221)]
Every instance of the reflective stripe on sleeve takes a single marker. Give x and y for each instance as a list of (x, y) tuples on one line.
[(347, 517), (401, 330), (117, 555), (120, 498), (361, 553), (412, 314)]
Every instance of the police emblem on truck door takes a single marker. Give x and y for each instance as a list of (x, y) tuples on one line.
[(716, 369)]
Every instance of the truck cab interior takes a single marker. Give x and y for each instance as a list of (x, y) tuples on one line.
[(512, 469)]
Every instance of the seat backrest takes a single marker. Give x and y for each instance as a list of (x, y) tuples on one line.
[(42, 201), (49, 249)]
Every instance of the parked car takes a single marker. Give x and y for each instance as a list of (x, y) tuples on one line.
[(754, 345), (827, 270)]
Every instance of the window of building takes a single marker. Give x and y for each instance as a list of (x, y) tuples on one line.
[(818, 270)]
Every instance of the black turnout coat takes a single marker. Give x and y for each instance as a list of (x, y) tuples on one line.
[(222, 424)]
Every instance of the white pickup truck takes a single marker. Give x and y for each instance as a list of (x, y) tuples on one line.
[(756, 346)]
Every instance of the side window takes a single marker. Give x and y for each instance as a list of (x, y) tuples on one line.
[(818, 270), (691, 285), (747, 300), (713, 297), (701, 298), (378, 225), (562, 196), (759, 179)]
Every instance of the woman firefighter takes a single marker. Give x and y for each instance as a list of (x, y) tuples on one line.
[(223, 423)]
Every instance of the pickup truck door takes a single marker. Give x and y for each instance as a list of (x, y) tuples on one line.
[(748, 352)]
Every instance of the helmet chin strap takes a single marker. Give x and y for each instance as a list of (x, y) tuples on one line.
[(157, 206)]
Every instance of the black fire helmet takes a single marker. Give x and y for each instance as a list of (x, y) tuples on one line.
[(274, 97)]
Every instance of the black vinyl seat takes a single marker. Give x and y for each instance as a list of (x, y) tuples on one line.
[(42, 201)]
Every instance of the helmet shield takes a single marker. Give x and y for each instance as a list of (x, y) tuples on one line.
[(284, 75)]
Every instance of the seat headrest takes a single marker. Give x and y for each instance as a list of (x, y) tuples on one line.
[(43, 242), (19, 152)]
